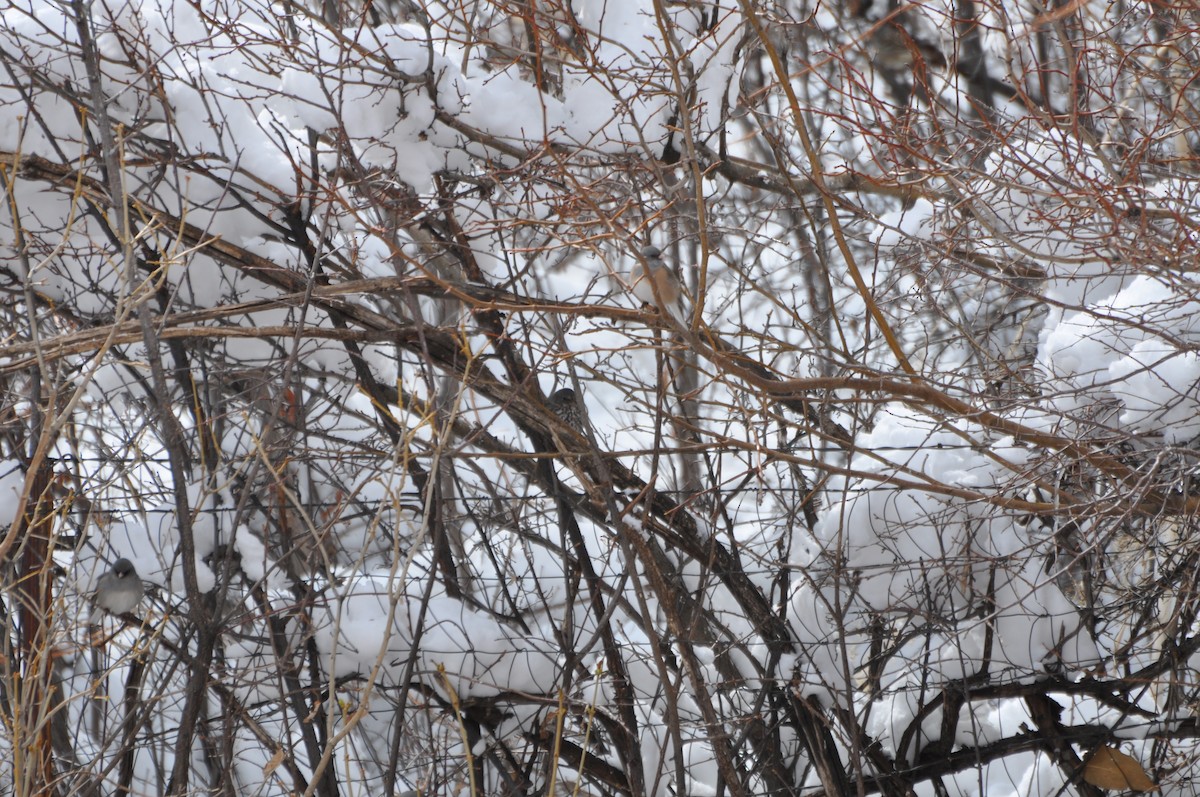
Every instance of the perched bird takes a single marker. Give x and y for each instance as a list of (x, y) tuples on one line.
[(565, 405), (892, 47), (119, 590), (657, 285)]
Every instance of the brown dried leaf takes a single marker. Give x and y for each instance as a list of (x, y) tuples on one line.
[(277, 759), (1113, 770)]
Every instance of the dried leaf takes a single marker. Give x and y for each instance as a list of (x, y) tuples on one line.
[(273, 764), (1113, 770)]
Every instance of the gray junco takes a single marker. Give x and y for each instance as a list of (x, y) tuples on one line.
[(565, 405), (657, 285), (119, 590)]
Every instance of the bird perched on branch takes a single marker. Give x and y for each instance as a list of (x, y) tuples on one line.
[(657, 285), (118, 591), (565, 404)]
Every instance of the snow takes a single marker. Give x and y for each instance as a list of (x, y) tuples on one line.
[(12, 486), (372, 622), (906, 225), (913, 530), (1134, 348), (914, 551)]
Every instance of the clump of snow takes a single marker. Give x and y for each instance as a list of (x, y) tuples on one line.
[(891, 552), (373, 620), (1137, 349), (902, 226), (12, 485)]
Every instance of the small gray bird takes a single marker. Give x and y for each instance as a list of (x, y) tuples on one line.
[(657, 285), (565, 405), (119, 590)]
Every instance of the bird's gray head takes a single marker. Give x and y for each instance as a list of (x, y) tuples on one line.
[(123, 568), (651, 252)]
